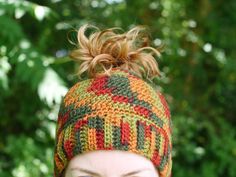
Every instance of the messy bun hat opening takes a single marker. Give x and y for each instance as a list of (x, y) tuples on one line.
[(115, 108)]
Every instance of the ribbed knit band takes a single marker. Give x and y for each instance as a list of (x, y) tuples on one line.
[(116, 112)]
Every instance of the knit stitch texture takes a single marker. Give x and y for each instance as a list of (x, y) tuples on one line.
[(116, 112)]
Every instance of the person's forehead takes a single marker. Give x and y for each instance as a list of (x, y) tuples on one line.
[(111, 160)]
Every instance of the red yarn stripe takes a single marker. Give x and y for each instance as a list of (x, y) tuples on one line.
[(68, 146), (147, 131), (156, 159), (100, 139), (79, 124), (142, 110), (166, 108), (125, 132), (98, 86), (120, 98)]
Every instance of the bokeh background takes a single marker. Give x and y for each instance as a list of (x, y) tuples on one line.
[(198, 65)]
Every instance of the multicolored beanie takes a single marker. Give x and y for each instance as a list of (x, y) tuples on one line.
[(120, 111)]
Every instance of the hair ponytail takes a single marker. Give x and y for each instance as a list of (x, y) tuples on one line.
[(106, 49)]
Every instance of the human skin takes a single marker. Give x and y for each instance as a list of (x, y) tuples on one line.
[(110, 163)]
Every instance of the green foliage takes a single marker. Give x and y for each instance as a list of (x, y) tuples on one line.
[(199, 77)]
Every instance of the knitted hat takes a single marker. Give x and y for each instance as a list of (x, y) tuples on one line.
[(120, 111)]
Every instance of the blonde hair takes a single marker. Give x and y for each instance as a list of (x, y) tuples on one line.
[(106, 49)]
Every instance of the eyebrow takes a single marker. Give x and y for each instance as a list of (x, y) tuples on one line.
[(97, 174), (134, 172)]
